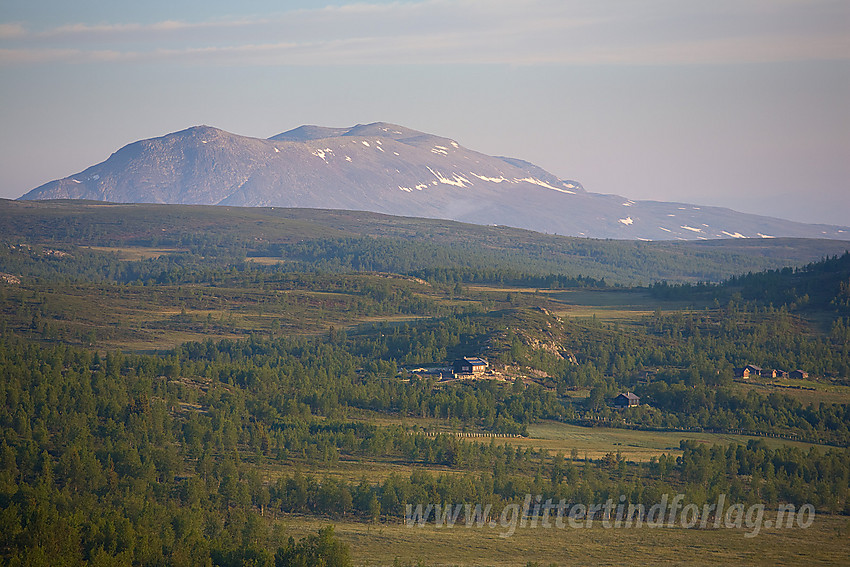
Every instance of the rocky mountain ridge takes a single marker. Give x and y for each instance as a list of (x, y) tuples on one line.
[(391, 169)]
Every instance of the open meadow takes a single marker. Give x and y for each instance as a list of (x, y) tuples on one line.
[(825, 542), (587, 442)]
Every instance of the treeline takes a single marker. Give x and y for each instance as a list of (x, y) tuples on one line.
[(752, 473), (824, 284), (817, 285), (64, 263), (213, 263)]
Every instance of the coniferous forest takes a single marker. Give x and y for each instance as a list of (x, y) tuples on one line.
[(186, 400)]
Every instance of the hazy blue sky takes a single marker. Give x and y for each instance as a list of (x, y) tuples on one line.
[(738, 103)]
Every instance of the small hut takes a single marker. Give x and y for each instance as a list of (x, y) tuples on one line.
[(627, 400)]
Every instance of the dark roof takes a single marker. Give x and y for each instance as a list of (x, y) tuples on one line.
[(475, 361), (629, 396)]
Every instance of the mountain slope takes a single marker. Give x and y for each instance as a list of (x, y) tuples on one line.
[(391, 169)]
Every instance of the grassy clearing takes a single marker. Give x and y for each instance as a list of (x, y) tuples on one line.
[(590, 442), (390, 319), (352, 469), (604, 314), (609, 305), (265, 260), (821, 392), (134, 253), (633, 445), (613, 306), (627, 299), (825, 542)]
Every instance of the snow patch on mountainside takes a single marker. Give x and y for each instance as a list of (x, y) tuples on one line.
[(417, 187), (322, 153), (456, 180), (499, 179), (535, 181)]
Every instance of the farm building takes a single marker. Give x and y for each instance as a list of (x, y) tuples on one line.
[(798, 374), (469, 365), (748, 371), (627, 400)]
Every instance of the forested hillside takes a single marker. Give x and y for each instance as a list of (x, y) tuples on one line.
[(139, 459), (192, 398), (310, 240)]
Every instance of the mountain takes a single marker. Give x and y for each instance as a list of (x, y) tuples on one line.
[(391, 169)]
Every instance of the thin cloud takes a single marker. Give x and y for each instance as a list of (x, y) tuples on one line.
[(131, 32), (464, 31), (12, 31)]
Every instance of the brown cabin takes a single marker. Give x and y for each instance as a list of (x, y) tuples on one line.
[(748, 371), (627, 400), (798, 374), (469, 365)]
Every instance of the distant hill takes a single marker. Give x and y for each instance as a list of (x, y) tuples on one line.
[(336, 240), (391, 169)]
